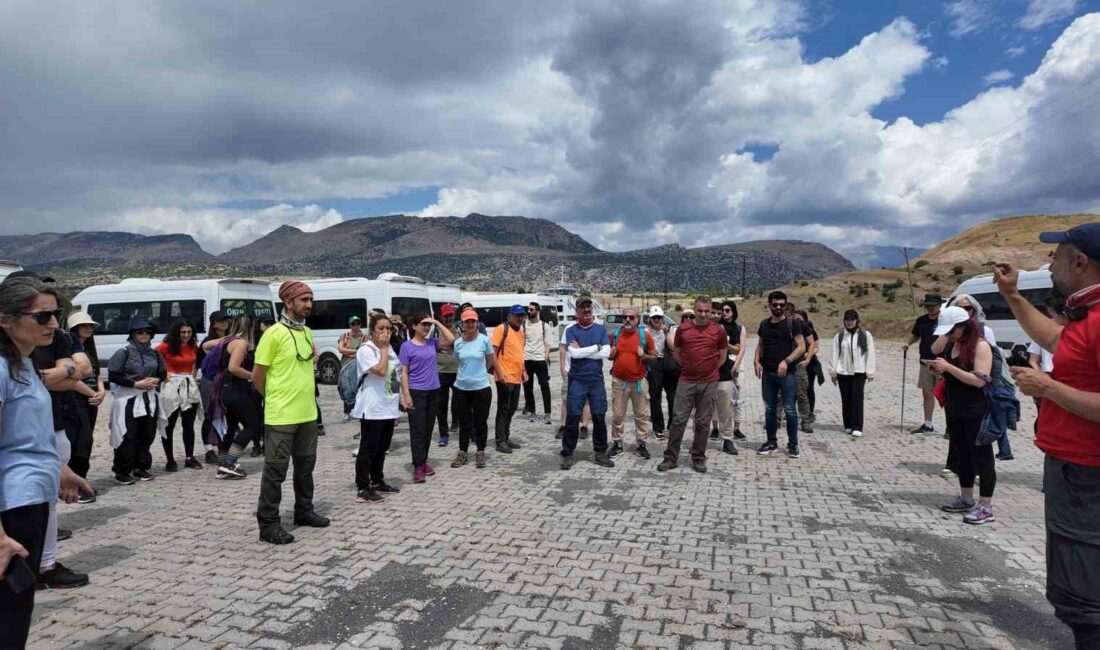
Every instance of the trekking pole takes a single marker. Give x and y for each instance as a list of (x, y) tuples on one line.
[(904, 360)]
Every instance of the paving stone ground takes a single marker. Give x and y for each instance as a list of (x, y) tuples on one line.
[(843, 548)]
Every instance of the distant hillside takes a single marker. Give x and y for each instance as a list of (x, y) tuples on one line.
[(100, 248), (1012, 239), (880, 257)]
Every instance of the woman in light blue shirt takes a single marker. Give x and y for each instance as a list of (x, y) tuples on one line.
[(473, 393), (31, 472)]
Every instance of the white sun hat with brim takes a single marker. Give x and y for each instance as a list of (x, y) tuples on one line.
[(80, 318), (949, 318)]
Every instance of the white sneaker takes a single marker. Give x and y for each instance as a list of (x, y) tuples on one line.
[(946, 472), (857, 433), (355, 454), (347, 417)]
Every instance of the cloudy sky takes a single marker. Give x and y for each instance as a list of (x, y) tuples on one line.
[(632, 123)]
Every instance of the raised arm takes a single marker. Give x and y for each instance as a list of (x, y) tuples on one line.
[(1044, 331)]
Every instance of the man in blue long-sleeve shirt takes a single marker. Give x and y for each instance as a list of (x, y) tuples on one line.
[(586, 343)]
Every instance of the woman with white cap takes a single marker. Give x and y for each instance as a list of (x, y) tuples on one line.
[(136, 370), (89, 396), (965, 367)]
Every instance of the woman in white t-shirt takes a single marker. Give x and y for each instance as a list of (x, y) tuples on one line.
[(377, 408)]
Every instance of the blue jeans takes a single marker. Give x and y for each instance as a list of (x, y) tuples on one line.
[(583, 390), (772, 385)]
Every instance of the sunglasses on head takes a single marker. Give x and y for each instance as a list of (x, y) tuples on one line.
[(43, 317)]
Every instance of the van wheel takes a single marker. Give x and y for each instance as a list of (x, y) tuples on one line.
[(328, 370)]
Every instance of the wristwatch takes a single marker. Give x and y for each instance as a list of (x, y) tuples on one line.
[(70, 370)]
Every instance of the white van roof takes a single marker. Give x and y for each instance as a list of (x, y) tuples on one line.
[(182, 282), (395, 277)]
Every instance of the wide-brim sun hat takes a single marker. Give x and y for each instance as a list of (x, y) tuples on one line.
[(78, 318), (141, 323), (949, 318)]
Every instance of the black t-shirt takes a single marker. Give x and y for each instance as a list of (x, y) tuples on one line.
[(924, 328), (807, 332), (776, 342), (45, 357), (733, 331)]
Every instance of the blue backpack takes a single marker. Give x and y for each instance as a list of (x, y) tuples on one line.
[(615, 337)]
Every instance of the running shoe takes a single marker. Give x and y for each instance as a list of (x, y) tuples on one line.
[(444, 439), (225, 470), (960, 504), (737, 435), (768, 448), (980, 515), (729, 447), (385, 488), (368, 496), (856, 433), (460, 459), (171, 466), (124, 479), (479, 459), (642, 451), (603, 461), (924, 428), (429, 470), (85, 497), (191, 463), (61, 577), (792, 452), (143, 475), (615, 450)]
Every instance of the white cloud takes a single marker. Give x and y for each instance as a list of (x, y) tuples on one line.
[(968, 16), (1015, 51), (997, 77), (1044, 12)]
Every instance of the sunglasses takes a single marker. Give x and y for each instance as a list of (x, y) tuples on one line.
[(43, 317), (630, 318), (779, 305)]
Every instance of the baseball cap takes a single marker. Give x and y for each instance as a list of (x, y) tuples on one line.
[(469, 314), (932, 299), (218, 315), (949, 318), (583, 300), (655, 312), (517, 310), (447, 310), (1085, 238), (355, 319)]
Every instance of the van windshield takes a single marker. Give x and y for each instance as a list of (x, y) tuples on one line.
[(254, 309)]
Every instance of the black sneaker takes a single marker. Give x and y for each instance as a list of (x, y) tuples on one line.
[(737, 435), (61, 577), (320, 429), (142, 475), (503, 448), (549, 420), (311, 519), (64, 534), (729, 447), (660, 435), (192, 463), (171, 466), (767, 449), (642, 451), (923, 428), (567, 462), (85, 497), (584, 433), (124, 479), (560, 434), (714, 433), (385, 488), (1005, 457), (368, 496), (227, 470), (513, 444), (275, 534), (792, 452), (699, 466), (211, 457), (256, 451), (616, 449), (603, 461)]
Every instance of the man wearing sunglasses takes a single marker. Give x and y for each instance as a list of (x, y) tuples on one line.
[(630, 350), (1069, 423), (781, 344), (538, 341), (587, 347)]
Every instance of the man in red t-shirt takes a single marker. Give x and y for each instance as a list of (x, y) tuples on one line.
[(1069, 424), (628, 384), (700, 346)]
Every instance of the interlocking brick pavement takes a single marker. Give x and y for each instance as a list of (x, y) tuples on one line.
[(843, 548)]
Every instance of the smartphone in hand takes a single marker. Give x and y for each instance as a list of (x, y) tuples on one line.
[(19, 575)]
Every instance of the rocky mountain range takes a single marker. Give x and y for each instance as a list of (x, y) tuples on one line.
[(476, 251)]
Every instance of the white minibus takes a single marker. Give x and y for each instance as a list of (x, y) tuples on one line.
[(7, 267), (1034, 285), (492, 308), (441, 294), (113, 306), (335, 300)]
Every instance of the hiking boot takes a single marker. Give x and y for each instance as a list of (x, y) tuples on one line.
[(142, 475), (584, 433), (567, 462), (226, 470), (792, 452), (960, 504), (418, 475), (367, 495), (603, 461), (642, 451), (503, 448), (714, 433), (211, 457), (61, 577), (980, 515), (729, 447), (85, 497), (311, 519), (767, 449), (274, 534), (806, 427), (385, 488), (923, 428), (737, 435), (460, 459), (171, 466), (191, 463), (124, 479), (511, 443), (64, 534), (429, 470), (615, 450), (666, 465), (699, 465), (479, 459), (444, 439), (560, 434)]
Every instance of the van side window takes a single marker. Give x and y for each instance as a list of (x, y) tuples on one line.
[(334, 314), (407, 307), (115, 317), (254, 309), (490, 316), (996, 307)]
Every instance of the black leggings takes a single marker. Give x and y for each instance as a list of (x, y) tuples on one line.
[(473, 416), (26, 525), (79, 423), (421, 417), (973, 460), (188, 432), (851, 399), (133, 452), (375, 437), (242, 409)]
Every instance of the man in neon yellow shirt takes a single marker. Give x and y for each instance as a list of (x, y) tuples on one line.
[(284, 376)]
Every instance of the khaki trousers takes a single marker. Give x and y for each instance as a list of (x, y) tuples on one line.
[(636, 393)]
